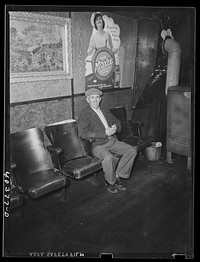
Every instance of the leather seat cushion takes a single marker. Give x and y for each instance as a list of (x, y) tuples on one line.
[(43, 182), (80, 167)]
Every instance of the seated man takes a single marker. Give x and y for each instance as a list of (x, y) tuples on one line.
[(101, 126)]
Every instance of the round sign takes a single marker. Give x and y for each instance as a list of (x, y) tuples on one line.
[(103, 63)]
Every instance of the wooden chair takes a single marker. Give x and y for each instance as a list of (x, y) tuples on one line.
[(68, 152), (32, 166), (131, 130)]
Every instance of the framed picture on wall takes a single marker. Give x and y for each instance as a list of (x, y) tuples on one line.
[(40, 47)]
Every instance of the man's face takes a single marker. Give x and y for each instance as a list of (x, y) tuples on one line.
[(94, 101)]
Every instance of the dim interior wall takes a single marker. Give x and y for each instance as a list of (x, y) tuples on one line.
[(120, 98), (149, 110), (39, 114), (81, 33), (142, 114), (184, 34), (28, 91), (148, 35), (26, 112), (128, 36)]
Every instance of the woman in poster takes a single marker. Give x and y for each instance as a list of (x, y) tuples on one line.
[(100, 38)]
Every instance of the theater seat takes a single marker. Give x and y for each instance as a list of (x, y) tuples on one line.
[(68, 152), (34, 173), (131, 130)]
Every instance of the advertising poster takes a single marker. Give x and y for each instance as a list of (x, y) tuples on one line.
[(103, 61)]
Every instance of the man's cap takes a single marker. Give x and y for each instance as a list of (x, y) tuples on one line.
[(93, 91)]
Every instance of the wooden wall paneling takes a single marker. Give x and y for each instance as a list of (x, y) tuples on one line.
[(128, 37), (148, 34), (119, 98), (142, 114), (154, 118)]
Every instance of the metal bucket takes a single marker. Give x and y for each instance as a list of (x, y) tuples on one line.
[(153, 152)]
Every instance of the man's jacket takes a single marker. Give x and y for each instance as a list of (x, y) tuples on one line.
[(91, 126)]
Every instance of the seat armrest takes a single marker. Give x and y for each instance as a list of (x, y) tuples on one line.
[(135, 122), (13, 178), (136, 129), (87, 142), (55, 152)]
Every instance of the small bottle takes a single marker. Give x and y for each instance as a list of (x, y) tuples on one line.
[(117, 76)]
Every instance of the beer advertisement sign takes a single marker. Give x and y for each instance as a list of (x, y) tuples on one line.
[(102, 62)]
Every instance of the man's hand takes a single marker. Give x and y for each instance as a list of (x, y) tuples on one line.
[(111, 130), (114, 127)]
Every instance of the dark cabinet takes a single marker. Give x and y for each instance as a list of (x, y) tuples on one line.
[(179, 122)]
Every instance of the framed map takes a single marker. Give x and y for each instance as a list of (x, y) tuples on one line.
[(40, 47)]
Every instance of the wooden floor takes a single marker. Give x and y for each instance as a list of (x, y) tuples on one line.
[(153, 218)]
